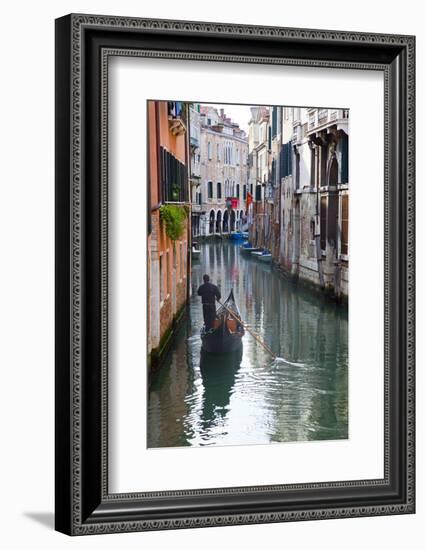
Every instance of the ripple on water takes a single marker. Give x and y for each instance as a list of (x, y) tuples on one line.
[(302, 395)]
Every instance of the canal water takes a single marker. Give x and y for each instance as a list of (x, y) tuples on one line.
[(198, 399)]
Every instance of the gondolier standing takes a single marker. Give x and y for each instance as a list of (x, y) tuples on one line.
[(209, 294)]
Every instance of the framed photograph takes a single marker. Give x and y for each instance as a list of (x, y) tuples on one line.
[(234, 274)]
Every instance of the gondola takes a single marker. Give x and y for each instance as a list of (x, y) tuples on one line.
[(227, 332)]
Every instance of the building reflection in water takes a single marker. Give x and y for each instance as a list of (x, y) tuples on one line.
[(198, 399)]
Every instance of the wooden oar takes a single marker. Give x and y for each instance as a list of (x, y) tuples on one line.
[(255, 336)]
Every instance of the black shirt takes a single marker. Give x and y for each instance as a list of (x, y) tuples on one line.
[(208, 293)]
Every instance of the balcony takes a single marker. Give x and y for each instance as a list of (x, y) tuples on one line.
[(319, 119)]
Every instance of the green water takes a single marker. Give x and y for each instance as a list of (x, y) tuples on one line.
[(198, 399)]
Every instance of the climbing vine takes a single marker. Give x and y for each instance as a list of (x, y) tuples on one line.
[(174, 217)]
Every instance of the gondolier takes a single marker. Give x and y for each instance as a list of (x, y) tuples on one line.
[(209, 294), (228, 330)]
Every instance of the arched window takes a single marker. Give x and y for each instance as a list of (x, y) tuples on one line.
[(238, 191), (244, 192), (219, 222), (232, 228), (210, 189), (209, 150), (219, 190), (225, 223), (211, 221)]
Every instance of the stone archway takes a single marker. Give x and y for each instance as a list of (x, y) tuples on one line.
[(211, 222), (219, 221), (333, 172), (232, 220), (225, 223), (241, 219), (333, 202)]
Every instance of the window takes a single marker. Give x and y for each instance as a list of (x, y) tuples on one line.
[(258, 193), (172, 178), (312, 228), (286, 160), (244, 192), (238, 191), (297, 158), (274, 121), (312, 182), (218, 152), (209, 150), (238, 157), (344, 247), (219, 190), (210, 190)]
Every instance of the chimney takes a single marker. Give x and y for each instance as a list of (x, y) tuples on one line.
[(222, 113)]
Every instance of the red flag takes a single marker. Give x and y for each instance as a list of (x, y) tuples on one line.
[(249, 200)]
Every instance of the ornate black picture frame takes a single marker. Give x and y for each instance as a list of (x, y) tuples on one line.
[(83, 45)]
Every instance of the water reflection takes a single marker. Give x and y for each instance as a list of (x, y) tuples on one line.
[(198, 399), (218, 377)]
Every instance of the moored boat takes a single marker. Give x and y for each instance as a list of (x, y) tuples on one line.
[(237, 235), (247, 248), (265, 257), (228, 329)]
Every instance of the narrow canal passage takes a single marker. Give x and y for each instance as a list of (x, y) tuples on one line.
[(247, 398)]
